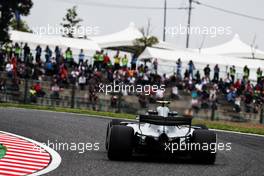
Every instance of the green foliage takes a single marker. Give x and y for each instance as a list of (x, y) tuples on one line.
[(8, 9), (146, 41), (20, 26), (71, 22)]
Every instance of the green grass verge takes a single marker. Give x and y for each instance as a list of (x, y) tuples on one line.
[(2, 151), (222, 125), (70, 110)]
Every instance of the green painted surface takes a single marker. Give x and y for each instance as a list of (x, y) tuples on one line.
[(2, 151)]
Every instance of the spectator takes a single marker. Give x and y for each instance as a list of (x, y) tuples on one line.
[(117, 61), (33, 95), (81, 57), (175, 93), (216, 73), (198, 77), (107, 62), (195, 101), (74, 75), (9, 69), (93, 97), (82, 82), (124, 62), (155, 65), (14, 64), (246, 72), (232, 73), (227, 81), (38, 89), (248, 100), (69, 57), (159, 94), (142, 100), (204, 98), (17, 50), (249, 87), (38, 53), (2, 60), (8, 49), (96, 60), (207, 71), (259, 74), (55, 89), (48, 53), (114, 100), (213, 95), (186, 74), (191, 68), (134, 63), (231, 95), (179, 68), (63, 74), (237, 85), (100, 60), (26, 52), (237, 105), (2, 85), (49, 68), (57, 54)]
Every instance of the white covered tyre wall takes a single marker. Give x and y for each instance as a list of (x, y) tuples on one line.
[(120, 142), (204, 137)]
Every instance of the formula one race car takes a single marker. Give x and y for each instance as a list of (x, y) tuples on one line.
[(160, 132)]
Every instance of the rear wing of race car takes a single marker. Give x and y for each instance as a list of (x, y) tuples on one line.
[(166, 121)]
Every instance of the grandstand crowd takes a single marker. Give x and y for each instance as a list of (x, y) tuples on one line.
[(62, 70)]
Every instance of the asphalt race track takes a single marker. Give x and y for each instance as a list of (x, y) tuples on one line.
[(245, 158)]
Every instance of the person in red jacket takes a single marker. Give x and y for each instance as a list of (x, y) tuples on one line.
[(237, 84), (38, 89), (106, 61)]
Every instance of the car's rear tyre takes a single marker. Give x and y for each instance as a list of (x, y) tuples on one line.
[(120, 142), (206, 152), (107, 133), (109, 125), (115, 122), (201, 126)]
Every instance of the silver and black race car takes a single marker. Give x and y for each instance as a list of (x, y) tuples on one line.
[(160, 132)]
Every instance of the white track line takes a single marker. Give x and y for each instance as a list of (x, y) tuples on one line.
[(235, 132)]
